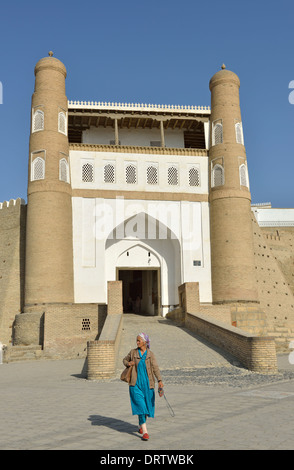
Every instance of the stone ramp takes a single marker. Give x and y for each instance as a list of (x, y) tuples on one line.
[(175, 346)]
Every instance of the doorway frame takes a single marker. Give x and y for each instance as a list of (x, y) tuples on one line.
[(147, 268)]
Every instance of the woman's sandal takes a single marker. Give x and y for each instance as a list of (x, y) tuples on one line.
[(140, 430), (145, 437)]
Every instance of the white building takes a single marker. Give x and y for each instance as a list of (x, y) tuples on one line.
[(147, 220)]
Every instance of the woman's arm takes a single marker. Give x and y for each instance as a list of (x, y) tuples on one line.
[(127, 360)]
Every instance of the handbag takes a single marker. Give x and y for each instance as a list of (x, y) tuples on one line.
[(126, 374)]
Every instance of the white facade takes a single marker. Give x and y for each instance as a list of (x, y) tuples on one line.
[(167, 237)]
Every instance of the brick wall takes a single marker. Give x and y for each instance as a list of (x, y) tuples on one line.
[(101, 354), (68, 328), (12, 264), (114, 298), (257, 353), (274, 266)]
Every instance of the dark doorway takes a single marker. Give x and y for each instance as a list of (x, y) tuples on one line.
[(141, 291)]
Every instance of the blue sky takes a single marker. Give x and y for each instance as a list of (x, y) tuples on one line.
[(161, 52)]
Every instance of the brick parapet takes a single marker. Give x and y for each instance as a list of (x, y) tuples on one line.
[(257, 353)]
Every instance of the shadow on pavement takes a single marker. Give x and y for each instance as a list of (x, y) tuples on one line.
[(113, 423)]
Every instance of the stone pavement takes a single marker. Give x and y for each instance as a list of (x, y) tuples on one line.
[(50, 405)]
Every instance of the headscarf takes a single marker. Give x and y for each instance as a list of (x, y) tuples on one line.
[(145, 338)]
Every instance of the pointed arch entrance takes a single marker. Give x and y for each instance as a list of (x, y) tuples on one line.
[(150, 267)]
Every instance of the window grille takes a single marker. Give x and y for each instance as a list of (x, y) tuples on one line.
[(64, 170), (173, 176), (217, 132), (86, 324), (38, 169), (239, 133), (194, 177), (243, 175), (217, 176), (152, 175), (62, 122), (109, 173), (38, 121), (88, 173), (131, 174)]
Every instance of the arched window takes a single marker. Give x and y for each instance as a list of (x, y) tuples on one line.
[(88, 172), (217, 132), (62, 122), (194, 176), (243, 175), (38, 169), (131, 174), (173, 176), (38, 121), (218, 176), (64, 170), (152, 175), (109, 173), (239, 133)]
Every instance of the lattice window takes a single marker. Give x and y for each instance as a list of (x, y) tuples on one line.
[(152, 175), (62, 122), (217, 132), (131, 174), (239, 133), (64, 170), (38, 121), (243, 175), (173, 176), (86, 324), (38, 169), (218, 177), (194, 177), (109, 173), (88, 173)]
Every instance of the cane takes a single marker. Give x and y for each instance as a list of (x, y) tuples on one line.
[(162, 394)]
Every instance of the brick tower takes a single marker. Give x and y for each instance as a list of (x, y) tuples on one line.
[(49, 252), (233, 267)]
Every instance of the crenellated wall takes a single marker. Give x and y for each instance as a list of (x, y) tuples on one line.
[(12, 261)]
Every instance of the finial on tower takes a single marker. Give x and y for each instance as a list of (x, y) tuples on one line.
[(223, 66), (50, 53)]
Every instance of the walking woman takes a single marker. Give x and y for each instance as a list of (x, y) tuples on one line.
[(142, 382)]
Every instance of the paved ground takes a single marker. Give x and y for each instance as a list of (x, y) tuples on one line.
[(217, 405)]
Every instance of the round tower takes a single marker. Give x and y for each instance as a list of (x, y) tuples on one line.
[(232, 255), (49, 246)]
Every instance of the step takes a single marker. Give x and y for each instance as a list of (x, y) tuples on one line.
[(22, 353)]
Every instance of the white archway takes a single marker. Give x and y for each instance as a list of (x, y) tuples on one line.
[(130, 246)]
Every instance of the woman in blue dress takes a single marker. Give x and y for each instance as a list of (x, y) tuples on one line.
[(141, 386)]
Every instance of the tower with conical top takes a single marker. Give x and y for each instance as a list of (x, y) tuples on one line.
[(49, 253), (233, 267)]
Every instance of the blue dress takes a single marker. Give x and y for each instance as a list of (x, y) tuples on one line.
[(141, 395)]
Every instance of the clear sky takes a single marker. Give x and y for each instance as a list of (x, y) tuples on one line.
[(160, 52)]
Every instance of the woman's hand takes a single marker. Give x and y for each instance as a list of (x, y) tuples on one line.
[(131, 363), (160, 384)]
